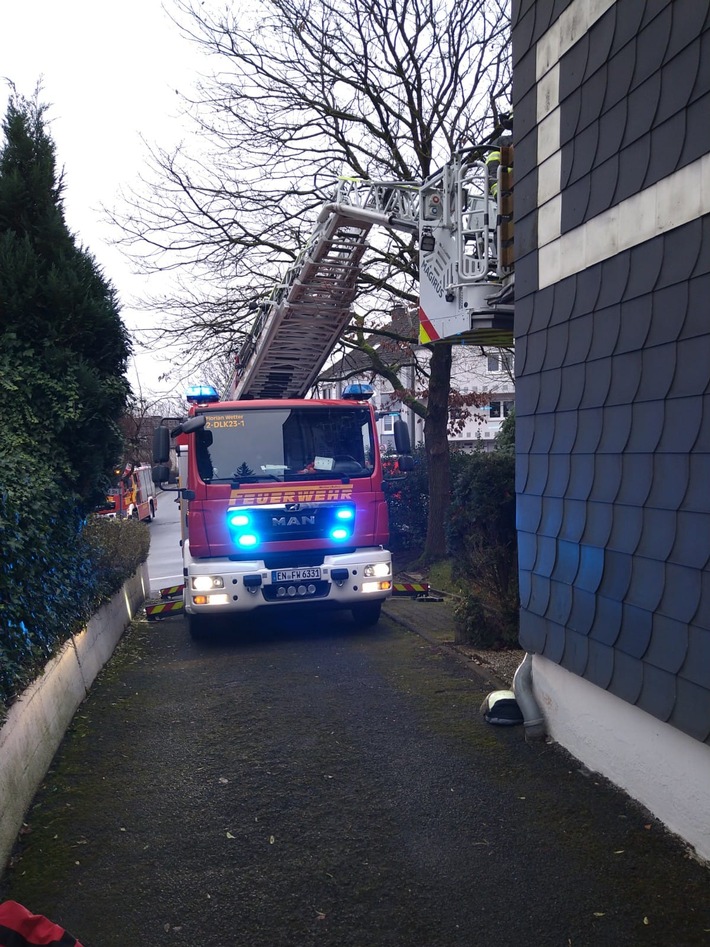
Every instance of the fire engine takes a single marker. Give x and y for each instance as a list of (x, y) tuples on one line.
[(133, 494), (282, 502), (283, 496)]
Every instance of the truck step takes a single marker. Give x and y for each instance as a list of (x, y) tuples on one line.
[(164, 610), (172, 591), (410, 588)]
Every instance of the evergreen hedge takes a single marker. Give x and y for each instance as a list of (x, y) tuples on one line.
[(63, 357), (482, 539), (481, 535), (56, 571)]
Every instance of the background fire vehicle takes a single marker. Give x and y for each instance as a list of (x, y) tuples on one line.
[(132, 496)]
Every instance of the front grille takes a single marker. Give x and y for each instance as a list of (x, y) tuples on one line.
[(277, 524), (274, 525), (294, 560)]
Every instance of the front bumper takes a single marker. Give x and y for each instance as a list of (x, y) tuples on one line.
[(342, 582)]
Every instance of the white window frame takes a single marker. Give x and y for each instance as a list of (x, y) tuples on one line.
[(388, 423)]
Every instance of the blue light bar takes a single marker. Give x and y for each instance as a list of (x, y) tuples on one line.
[(201, 394), (358, 392)]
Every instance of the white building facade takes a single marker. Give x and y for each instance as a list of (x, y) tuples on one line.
[(487, 374)]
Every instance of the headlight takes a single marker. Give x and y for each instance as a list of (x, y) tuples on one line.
[(204, 583), (377, 569)]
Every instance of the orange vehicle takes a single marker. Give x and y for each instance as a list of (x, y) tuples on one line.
[(132, 496)]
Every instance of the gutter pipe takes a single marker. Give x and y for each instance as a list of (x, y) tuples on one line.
[(533, 718)]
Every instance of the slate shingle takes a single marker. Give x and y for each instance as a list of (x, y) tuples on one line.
[(668, 648), (600, 664), (691, 712), (658, 693), (627, 678)]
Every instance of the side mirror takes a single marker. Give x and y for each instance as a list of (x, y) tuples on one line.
[(195, 423), (161, 447), (405, 463), (160, 474), (402, 442)]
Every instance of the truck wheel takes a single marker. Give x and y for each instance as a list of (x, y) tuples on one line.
[(198, 626), (367, 614), (151, 515)]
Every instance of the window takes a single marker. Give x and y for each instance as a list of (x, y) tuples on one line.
[(501, 409), (388, 424), (261, 445), (501, 362)]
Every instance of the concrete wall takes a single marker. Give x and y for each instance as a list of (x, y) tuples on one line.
[(38, 720), (666, 771)]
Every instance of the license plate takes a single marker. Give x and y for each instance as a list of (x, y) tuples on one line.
[(294, 575)]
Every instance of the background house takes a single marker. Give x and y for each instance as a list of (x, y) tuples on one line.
[(490, 373), (612, 321)]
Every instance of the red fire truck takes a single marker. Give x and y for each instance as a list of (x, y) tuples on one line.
[(282, 503), (282, 495), (132, 496)]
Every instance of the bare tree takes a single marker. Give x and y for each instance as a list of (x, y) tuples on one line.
[(304, 91)]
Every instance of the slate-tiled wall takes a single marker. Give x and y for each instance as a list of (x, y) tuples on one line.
[(613, 363)]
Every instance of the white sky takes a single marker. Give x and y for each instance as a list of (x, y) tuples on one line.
[(109, 74)]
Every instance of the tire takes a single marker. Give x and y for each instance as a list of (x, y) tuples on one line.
[(134, 515), (367, 614), (198, 626), (151, 515)]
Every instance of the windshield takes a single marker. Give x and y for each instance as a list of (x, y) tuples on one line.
[(266, 444)]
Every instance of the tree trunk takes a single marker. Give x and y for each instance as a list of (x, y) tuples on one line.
[(436, 444)]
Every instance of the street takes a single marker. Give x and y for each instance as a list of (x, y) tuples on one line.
[(164, 560), (305, 782)]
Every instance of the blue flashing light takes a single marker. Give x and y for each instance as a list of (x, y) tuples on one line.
[(339, 534), (248, 540), (345, 513), (358, 392), (201, 394), (239, 523)]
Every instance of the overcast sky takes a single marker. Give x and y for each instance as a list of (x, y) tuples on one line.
[(109, 74)]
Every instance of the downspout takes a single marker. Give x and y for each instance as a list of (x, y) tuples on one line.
[(532, 715)]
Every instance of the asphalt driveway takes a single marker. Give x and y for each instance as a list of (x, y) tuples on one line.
[(315, 784)]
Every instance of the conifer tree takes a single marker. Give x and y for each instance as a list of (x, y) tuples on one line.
[(59, 318)]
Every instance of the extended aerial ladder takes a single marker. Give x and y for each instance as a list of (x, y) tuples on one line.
[(466, 284)]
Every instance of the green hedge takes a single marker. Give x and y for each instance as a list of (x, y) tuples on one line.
[(408, 499), (117, 548), (482, 540), (56, 571), (408, 503)]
